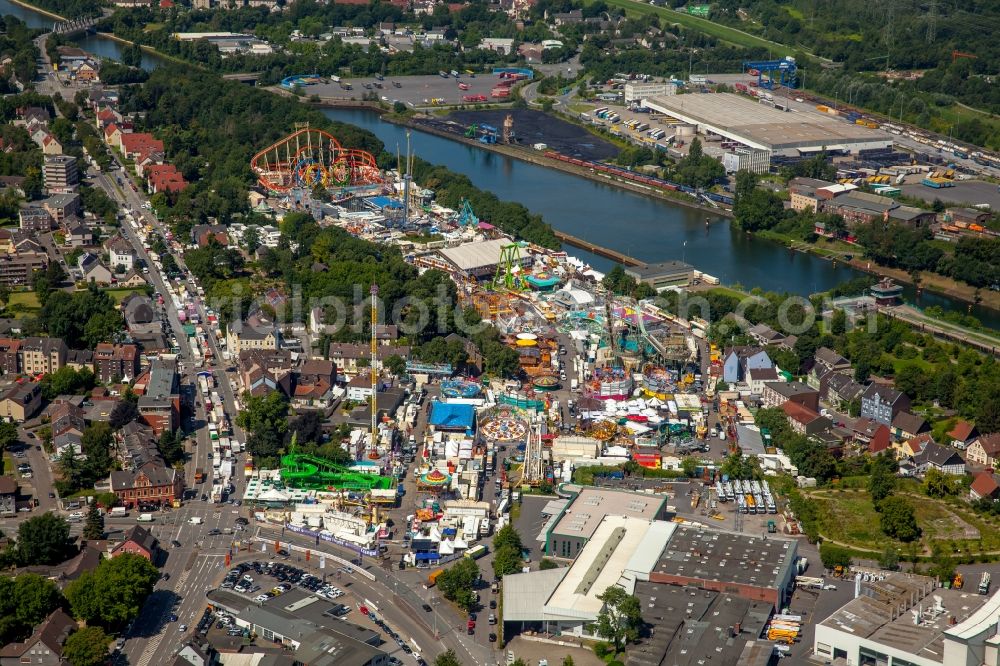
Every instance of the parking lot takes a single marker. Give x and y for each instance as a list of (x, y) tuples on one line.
[(414, 91)]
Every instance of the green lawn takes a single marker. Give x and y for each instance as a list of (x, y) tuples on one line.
[(849, 517), (121, 294), (722, 32), (27, 300)]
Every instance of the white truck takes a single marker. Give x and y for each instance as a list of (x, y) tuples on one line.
[(118, 512)]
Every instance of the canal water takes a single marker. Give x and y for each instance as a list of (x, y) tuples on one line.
[(99, 46), (648, 229)]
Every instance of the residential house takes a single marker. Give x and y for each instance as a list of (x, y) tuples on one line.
[(775, 394), (113, 135), (314, 383), (737, 360), (757, 377), (61, 206), (121, 254), (264, 370), (909, 448), (359, 389), (116, 362), (17, 270), (883, 403), (202, 233), (78, 359), (135, 144), (34, 219), (906, 425), (963, 434), (984, 450), (985, 485), (826, 360), (942, 458), (42, 355), (93, 270), (880, 440), (45, 645), (10, 351), (79, 235), (21, 402), (8, 496), (804, 420), (764, 334), (256, 332), (138, 541), (160, 403), (839, 390), (132, 280), (153, 483), (347, 355)]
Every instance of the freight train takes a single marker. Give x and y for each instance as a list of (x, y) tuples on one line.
[(632, 176)]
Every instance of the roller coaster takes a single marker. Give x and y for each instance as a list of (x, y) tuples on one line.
[(308, 158), (309, 472)]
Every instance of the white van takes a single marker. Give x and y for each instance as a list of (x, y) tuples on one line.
[(196, 520), (145, 518), (118, 512)]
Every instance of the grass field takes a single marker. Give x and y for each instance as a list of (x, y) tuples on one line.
[(26, 300), (849, 517), (121, 294), (724, 33)]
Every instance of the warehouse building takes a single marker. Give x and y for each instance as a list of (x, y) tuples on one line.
[(763, 127), (479, 259), (636, 92), (663, 274), (571, 529), (906, 620), (754, 567)]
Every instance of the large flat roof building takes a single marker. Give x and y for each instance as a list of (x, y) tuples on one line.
[(584, 513), (663, 274), (765, 128), (753, 566), (906, 620)]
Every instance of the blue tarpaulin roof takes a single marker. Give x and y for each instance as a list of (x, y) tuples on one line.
[(427, 556), (454, 417), (385, 202)]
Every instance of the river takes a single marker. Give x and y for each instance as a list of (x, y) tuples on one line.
[(648, 229), (99, 46)]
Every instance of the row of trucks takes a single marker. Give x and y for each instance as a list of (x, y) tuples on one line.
[(751, 497)]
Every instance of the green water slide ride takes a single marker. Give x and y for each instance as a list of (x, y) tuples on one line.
[(309, 472)]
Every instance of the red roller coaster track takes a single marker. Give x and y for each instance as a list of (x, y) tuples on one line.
[(310, 157)]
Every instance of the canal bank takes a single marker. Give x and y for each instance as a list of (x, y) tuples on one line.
[(631, 222)]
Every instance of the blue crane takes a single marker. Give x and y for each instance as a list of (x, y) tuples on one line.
[(785, 69)]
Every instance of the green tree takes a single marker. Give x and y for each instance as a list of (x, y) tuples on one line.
[(457, 583), (507, 536), (447, 658), (25, 601), (395, 364), (881, 484), (898, 520), (87, 647), (567, 661), (547, 564), (42, 540), (112, 594), (834, 556), (506, 561), (889, 559), (265, 418), (937, 483), (620, 618), (8, 435), (93, 527), (689, 465)]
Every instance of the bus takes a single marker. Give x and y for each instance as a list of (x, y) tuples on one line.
[(476, 552)]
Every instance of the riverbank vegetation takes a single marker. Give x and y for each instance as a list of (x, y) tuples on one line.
[(975, 261)]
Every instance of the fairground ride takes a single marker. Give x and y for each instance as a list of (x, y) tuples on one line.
[(309, 472), (311, 157)]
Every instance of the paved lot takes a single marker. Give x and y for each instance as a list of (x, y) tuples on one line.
[(412, 90), (971, 192), (531, 127)]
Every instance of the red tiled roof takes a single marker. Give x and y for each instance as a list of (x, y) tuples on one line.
[(990, 444), (985, 484), (136, 142), (800, 413), (962, 431), (880, 440)]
